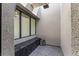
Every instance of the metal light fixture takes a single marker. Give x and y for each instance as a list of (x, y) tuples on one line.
[(46, 6)]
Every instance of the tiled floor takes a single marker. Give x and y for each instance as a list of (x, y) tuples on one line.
[(47, 51)]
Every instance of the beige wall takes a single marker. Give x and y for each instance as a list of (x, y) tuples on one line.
[(49, 24), (66, 28)]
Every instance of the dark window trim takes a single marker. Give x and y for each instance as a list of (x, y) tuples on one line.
[(20, 24), (0, 25), (35, 26), (20, 19), (26, 11), (30, 27)]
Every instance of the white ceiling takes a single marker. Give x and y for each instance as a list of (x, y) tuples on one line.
[(37, 4)]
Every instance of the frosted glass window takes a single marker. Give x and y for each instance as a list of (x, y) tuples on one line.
[(16, 25), (32, 26), (25, 25)]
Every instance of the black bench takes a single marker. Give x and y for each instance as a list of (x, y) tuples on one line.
[(25, 48)]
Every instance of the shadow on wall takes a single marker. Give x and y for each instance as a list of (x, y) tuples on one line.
[(48, 27)]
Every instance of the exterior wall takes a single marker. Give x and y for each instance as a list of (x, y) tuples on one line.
[(75, 28), (48, 27), (66, 29), (7, 29)]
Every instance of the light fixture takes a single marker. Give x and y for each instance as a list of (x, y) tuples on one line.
[(45, 6)]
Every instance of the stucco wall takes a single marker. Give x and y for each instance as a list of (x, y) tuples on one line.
[(48, 27), (66, 28), (75, 28), (7, 44)]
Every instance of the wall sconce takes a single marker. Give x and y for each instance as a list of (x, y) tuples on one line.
[(46, 6)]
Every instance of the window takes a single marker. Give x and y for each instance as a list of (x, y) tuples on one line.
[(32, 26), (16, 24), (25, 25)]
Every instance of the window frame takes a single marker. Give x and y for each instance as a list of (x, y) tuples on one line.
[(35, 26), (20, 24)]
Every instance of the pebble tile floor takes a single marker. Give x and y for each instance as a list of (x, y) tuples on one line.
[(47, 51)]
